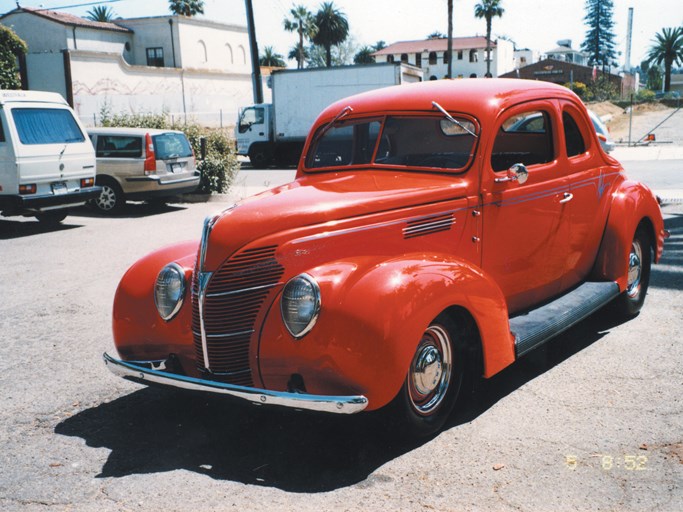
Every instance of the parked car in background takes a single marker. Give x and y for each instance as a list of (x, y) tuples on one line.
[(47, 164), (142, 164), (603, 132), (434, 234)]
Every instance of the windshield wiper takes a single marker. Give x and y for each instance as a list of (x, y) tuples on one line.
[(453, 120), (344, 112)]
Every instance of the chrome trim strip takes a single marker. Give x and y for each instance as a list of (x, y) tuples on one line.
[(243, 290), (428, 226), (228, 335), (161, 182), (323, 403), (202, 283)]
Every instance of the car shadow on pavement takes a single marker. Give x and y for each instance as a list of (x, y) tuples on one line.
[(132, 210), (10, 229), (155, 430)]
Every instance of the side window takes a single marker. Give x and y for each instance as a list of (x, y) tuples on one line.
[(249, 117), (523, 138), (572, 136), (118, 146), (2, 132), (155, 57)]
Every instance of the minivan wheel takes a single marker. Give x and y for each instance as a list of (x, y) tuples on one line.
[(52, 217), (111, 198)]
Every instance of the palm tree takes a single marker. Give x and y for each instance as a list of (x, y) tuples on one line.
[(101, 13), (303, 23), (488, 9), (270, 58), (364, 56), (667, 48), (296, 52), (186, 7), (333, 29)]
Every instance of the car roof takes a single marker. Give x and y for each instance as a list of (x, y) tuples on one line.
[(481, 97), (128, 131)]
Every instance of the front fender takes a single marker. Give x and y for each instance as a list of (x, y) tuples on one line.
[(632, 203), (139, 332), (372, 316)]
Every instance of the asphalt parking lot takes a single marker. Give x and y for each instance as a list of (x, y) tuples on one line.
[(593, 421)]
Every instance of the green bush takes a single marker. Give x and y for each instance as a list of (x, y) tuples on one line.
[(219, 168), (579, 88), (646, 96)]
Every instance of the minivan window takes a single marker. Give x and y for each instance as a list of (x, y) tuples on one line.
[(46, 126), (119, 146), (171, 145)]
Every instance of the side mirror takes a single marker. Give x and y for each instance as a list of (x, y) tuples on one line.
[(517, 172)]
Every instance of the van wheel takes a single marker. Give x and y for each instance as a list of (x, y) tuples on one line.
[(52, 218), (434, 381), (628, 304), (260, 158), (111, 198)]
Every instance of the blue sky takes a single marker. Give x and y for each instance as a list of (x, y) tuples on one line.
[(531, 24)]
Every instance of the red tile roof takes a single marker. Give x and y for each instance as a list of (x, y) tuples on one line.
[(435, 45), (68, 19)]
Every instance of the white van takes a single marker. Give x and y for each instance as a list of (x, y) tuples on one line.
[(47, 162)]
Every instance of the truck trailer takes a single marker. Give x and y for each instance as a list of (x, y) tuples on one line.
[(275, 132)]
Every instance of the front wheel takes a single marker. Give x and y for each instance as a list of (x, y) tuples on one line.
[(434, 380), (628, 304), (52, 218)]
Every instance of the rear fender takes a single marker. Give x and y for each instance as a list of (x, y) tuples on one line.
[(139, 331), (632, 204), (373, 315)]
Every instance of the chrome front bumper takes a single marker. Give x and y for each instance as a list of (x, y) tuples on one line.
[(142, 372)]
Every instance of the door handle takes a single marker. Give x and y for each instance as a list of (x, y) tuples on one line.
[(567, 197)]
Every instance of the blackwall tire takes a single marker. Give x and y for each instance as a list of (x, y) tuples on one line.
[(52, 218)]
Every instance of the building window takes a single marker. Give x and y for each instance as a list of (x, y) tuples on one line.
[(459, 54), (203, 52), (231, 58), (390, 58), (445, 57), (404, 57), (473, 56), (418, 60), (155, 57), (432, 57)]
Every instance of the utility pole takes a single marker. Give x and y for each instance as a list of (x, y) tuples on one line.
[(253, 47)]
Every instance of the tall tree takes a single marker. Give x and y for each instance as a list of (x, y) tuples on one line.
[(599, 43), (270, 58), (364, 56), (11, 46), (488, 9), (667, 48), (333, 29), (449, 45), (303, 23), (101, 13), (186, 7)]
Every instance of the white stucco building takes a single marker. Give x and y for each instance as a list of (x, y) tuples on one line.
[(468, 57), (187, 67)]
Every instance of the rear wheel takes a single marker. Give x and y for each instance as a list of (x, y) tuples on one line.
[(260, 157), (434, 380), (53, 217), (111, 198), (628, 304)]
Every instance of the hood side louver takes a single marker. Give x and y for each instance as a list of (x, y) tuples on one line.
[(428, 225)]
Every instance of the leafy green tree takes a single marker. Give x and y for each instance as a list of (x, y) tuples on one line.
[(333, 29), (379, 45), (667, 49), (101, 13), (303, 23), (186, 7), (599, 43), (11, 46), (488, 9), (654, 78), (436, 34), (270, 58), (341, 55), (364, 56)]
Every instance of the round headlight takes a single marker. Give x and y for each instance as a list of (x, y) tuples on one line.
[(169, 290), (300, 305)]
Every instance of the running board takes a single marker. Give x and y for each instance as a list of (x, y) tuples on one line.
[(539, 325)]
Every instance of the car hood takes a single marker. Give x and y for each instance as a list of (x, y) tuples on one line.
[(322, 198)]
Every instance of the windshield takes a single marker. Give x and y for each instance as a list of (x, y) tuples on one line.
[(431, 142)]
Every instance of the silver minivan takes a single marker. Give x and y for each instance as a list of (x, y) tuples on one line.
[(142, 164)]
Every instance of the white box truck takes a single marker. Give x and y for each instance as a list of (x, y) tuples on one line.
[(47, 162), (276, 132)]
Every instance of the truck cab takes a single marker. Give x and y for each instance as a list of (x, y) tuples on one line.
[(253, 133)]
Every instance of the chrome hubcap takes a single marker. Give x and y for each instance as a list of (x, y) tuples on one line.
[(107, 198), (430, 371), (635, 269)]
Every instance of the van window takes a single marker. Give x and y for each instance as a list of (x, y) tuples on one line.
[(46, 126), (118, 146), (171, 145), (2, 132)]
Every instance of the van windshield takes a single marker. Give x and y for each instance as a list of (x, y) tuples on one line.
[(46, 126), (171, 145)]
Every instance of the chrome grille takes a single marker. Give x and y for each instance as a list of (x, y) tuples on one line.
[(429, 225), (233, 299)]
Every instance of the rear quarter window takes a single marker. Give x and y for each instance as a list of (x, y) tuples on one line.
[(46, 126), (119, 146)]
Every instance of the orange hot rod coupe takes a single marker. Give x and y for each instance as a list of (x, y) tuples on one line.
[(434, 233)]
